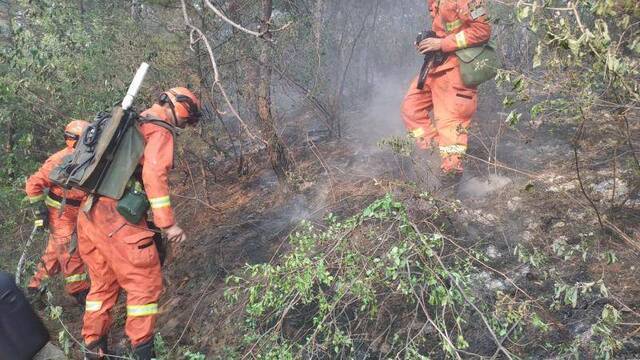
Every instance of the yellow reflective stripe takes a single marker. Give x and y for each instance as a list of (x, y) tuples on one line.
[(450, 26), (93, 305), (461, 40), (417, 133), (453, 150), (142, 310), (50, 202), (35, 199), (75, 278), (160, 202), (38, 223)]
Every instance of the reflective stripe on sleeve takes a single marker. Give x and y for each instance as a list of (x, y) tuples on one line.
[(75, 278), (53, 203), (35, 199), (93, 305), (461, 40), (160, 202), (142, 310), (453, 150)]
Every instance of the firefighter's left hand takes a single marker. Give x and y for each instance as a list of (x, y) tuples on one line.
[(429, 45)]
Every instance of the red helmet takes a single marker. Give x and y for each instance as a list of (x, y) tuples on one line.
[(73, 130), (183, 102)]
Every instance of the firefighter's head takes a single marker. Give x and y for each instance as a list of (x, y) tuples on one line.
[(183, 106), (73, 130)]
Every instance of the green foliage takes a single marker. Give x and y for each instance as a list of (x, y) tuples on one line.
[(188, 355), (340, 279), (399, 145), (583, 48), (604, 329)]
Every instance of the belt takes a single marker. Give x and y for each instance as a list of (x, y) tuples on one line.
[(70, 202)]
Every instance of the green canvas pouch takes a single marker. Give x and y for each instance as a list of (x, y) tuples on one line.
[(478, 64), (134, 204)]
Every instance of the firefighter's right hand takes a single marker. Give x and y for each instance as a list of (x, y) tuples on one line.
[(175, 234), (40, 215), (429, 45)]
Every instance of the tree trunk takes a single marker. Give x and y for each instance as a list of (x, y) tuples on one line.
[(278, 154), (136, 10)]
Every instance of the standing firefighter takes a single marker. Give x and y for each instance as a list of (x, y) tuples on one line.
[(60, 255), (120, 254), (457, 24)]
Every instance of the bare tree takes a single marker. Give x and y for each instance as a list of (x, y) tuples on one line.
[(278, 154)]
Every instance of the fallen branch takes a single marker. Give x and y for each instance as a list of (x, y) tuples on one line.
[(20, 267)]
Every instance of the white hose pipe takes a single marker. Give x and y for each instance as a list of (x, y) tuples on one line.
[(135, 86)]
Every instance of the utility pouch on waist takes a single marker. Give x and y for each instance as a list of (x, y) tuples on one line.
[(134, 203), (478, 64)]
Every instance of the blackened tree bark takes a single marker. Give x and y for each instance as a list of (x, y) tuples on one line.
[(278, 154)]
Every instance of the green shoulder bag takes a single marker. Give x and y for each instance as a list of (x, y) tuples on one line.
[(478, 64)]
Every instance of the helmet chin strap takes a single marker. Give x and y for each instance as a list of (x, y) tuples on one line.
[(173, 112)]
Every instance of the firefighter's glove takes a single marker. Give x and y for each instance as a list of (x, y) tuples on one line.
[(40, 215)]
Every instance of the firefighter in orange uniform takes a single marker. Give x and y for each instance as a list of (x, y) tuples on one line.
[(458, 24), (59, 255), (122, 255)]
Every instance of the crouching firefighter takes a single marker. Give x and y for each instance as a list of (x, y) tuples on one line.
[(448, 84), (60, 216), (115, 240)]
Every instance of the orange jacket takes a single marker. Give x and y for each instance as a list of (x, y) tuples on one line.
[(460, 24), (39, 181), (156, 162)]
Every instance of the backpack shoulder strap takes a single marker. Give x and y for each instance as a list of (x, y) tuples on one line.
[(158, 122)]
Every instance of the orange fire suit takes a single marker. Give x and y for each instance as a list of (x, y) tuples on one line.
[(61, 227), (460, 24), (122, 255)]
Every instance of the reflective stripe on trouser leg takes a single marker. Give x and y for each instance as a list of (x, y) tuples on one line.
[(415, 114), (75, 278), (104, 290), (452, 157), (93, 305), (142, 310), (456, 149)]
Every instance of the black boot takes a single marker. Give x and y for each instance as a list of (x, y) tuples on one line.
[(81, 297), (144, 351), (97, 350)]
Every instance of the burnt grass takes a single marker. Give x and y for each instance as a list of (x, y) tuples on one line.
[(246, 219)]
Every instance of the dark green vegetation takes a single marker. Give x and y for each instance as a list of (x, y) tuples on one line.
[(543, 266)]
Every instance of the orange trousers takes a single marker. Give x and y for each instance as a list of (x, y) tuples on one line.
[(453, 105), (57, 258), (118, 255)]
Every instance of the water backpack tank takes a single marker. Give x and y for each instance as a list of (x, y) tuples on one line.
[(22, 333), (105, 157)]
